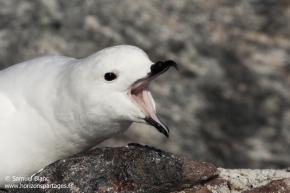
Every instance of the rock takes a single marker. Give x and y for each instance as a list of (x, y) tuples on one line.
[(281, 186), (134, 168), (245, 181), (138, 168), (239, 180), (216, 185)]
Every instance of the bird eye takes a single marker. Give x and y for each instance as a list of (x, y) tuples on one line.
[(110, 76)]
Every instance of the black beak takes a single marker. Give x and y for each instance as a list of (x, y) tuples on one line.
[(161, 67), (162, 129), (157, 69)]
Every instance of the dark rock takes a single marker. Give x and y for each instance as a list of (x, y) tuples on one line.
[(138, 168), (281, 186), (134, 168)]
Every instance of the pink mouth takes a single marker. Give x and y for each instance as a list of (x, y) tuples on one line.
[(141, 96)]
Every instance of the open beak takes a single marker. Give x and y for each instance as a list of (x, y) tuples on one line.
[(140, 95)]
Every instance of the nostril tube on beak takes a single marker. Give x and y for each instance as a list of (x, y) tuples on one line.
[(157, 67)]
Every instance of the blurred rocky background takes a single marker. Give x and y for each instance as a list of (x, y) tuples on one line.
[(230, 102)]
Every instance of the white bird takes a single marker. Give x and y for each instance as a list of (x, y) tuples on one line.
[(52, 107)]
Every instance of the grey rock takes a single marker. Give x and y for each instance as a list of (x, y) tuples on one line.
[(134, 168), (239, 180), (138, 168)]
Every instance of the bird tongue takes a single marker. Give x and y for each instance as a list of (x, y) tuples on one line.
[(141, 96)]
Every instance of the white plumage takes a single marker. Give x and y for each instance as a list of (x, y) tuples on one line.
[(52, 107)]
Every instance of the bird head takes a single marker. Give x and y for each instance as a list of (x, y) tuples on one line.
[(122, 75)]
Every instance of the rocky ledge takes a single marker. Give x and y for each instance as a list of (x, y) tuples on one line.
[(138, 168)]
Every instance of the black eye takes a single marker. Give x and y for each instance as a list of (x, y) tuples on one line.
[(110, 76)]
